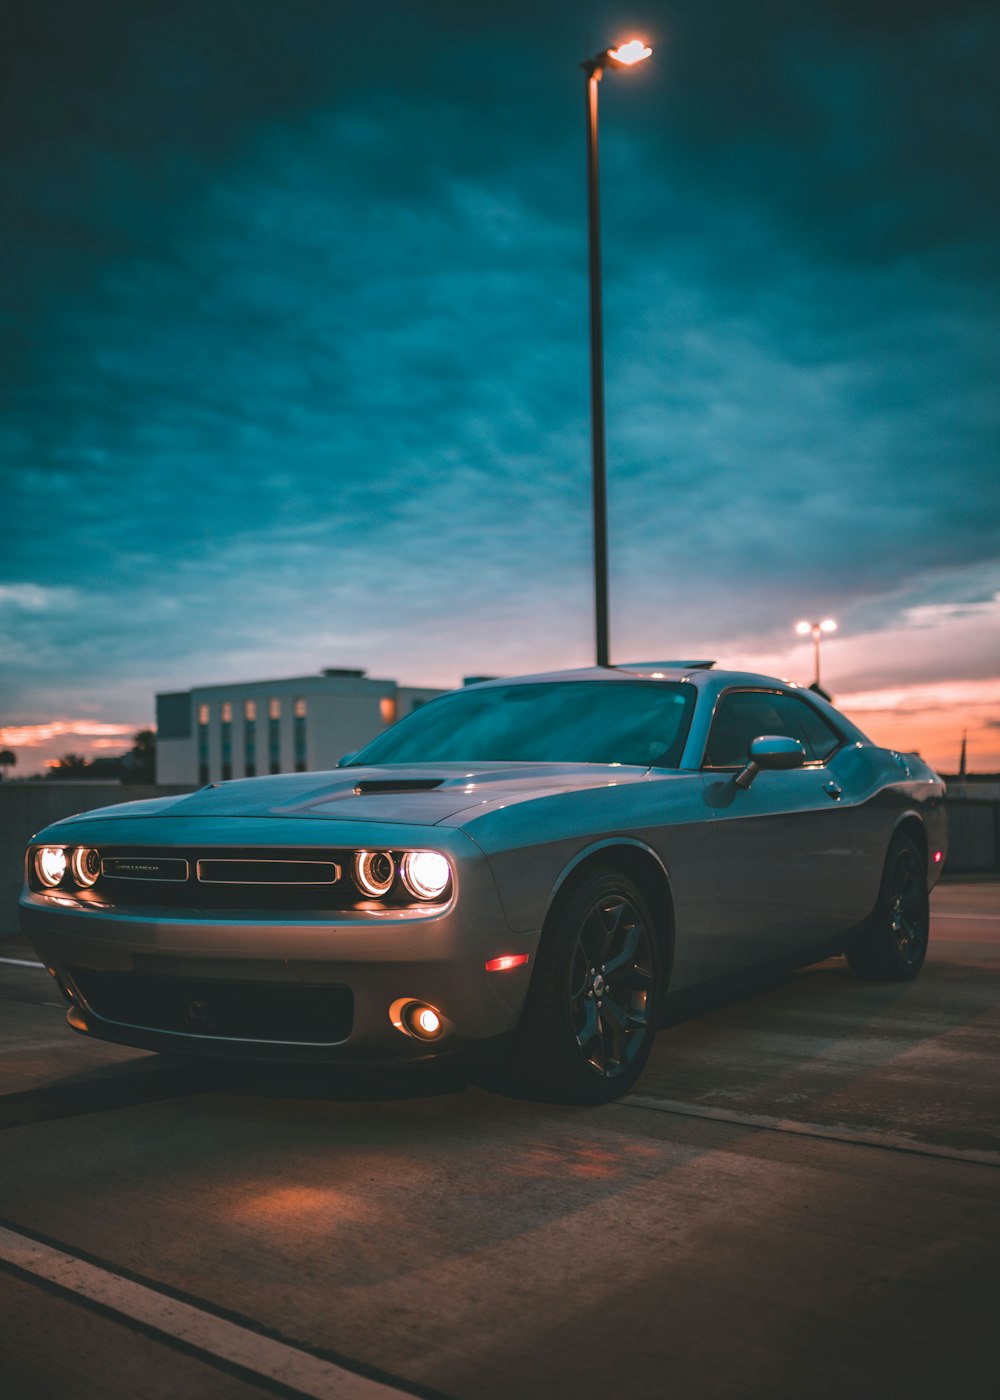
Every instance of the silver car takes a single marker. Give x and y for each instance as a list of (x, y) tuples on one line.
[(529, 867)]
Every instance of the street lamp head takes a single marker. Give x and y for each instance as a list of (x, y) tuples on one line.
[(632, 52), (804, 628), (624, 56)]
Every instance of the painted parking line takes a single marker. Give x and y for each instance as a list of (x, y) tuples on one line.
[(889, 1142), (252, 1354), (21, 962), (954, 914)]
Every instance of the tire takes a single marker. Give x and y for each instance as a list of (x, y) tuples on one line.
[(592, 1008), (892, 945)]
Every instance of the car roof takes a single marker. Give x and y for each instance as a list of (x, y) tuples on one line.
[(636, 670), (671, 671)]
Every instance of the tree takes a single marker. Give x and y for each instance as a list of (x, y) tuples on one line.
[(138, 765), (7, 760), (71, 765)]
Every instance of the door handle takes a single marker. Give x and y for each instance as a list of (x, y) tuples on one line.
[(833, 790)]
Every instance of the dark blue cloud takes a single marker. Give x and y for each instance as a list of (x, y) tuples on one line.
[(295, 306)]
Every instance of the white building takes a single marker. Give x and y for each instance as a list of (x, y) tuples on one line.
[(245, 729)]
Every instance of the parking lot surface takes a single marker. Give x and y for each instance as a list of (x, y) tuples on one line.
[(801, 1198)]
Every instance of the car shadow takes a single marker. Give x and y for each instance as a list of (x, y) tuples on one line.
[(148, 1079)]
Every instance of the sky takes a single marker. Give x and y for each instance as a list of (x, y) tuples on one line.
[(294, 363)]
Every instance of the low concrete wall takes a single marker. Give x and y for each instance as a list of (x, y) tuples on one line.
[(973, 835), (28, 807)]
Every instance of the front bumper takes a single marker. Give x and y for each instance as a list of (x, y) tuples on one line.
[(211, 964)]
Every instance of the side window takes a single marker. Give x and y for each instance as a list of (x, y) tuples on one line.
[(819, 738), (743, 716)]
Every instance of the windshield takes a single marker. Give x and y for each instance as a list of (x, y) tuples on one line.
[(641, 723)]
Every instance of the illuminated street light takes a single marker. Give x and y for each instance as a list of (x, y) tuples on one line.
[(816, 629), (632, 52), (624, 56)]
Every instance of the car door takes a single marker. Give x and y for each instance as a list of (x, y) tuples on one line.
[(782, 848)]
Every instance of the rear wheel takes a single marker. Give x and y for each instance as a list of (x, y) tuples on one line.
[(892, 945), (590, 1018)]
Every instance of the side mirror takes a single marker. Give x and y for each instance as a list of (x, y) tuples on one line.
[(770, 751)]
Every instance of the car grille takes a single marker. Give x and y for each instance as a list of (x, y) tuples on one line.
[(260, 1011), (216, 878)]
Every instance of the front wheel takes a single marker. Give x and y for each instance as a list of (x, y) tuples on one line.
[(892, 945), (591, 1014)]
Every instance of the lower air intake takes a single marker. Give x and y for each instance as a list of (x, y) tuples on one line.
[(260, 1011)]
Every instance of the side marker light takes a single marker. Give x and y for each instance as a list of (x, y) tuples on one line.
[(506, 962), (938, 857)]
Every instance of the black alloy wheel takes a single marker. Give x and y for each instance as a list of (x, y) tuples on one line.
[(893, 944), (591, 1015), (610, 984)]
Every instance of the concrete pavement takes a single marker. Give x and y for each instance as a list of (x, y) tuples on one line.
[(800, 1199)]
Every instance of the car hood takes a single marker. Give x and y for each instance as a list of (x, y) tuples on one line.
[(417, 794)]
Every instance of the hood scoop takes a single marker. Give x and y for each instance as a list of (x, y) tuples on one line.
[(367, 787)]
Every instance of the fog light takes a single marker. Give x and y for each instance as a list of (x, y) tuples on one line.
[(427, 1022), (50, 865), (417, 1018)]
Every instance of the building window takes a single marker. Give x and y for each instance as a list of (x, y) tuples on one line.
[(387, 709), (203, 744), (300, 735), (250, 738), (227, 740), (274, 735)]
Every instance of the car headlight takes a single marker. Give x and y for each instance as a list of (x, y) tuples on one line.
[(85, 864), (50, 865), (374, 872), (425, 873)]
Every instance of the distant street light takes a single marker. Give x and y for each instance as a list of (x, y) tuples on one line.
[(817, 629), (624, 56)]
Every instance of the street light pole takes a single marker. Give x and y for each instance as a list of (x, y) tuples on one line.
[(816, 629), (599, 487), (626, 55)]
